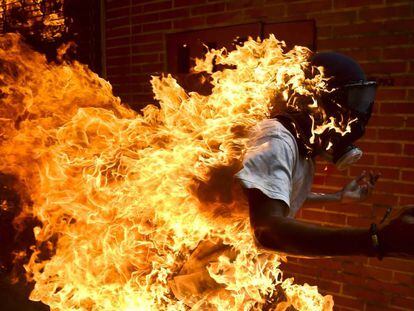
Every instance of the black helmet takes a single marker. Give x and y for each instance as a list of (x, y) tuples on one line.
[(349, 94)]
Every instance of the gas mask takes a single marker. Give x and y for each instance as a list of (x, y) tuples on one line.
[(350, 97), (357, 99)]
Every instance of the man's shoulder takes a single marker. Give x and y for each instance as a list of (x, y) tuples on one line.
[(271, 141), (272, 128)]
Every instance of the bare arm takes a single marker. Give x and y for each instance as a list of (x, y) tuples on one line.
[(358, 190), (315, 198), (276, 232)]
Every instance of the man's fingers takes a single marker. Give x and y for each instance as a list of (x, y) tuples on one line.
[(365, 190), (373, 177), (361, 177)]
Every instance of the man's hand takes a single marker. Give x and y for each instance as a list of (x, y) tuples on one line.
[(360, 188), (395, 238)]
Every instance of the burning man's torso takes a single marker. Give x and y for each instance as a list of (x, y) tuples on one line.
[(274, 165)]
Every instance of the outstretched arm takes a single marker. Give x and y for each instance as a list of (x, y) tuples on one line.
[(358, 190), (274, 231)]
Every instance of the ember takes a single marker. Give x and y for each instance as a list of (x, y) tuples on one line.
[(116, 192)]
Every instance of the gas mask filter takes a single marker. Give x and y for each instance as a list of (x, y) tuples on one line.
[(347, 157)]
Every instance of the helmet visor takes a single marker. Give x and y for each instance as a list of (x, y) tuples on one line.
[(360, 96)]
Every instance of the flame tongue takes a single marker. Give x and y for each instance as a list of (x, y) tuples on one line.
[(114, 190)]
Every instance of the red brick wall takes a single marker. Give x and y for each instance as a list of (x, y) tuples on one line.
[(377, 33)]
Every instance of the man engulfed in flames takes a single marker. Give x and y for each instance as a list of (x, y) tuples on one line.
[(129, 203)]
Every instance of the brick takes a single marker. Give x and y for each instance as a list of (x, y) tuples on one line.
[(385, 13), (365, 54), (157, 6), (406, 200), (144, 18), (158, 26), (174, 14), (224, 18), (124, 88), (149, 68), (378, 274), (358, 29), (118, 41), (375, 306), (365, 294), (119, 70), (295, 8), (324, 217), (341, 4), (384, 93), (328, 286), (335, 180), (388, 199), (402, 302), (400, 108), (117, 51), (390, 287), (363, 42), (136, 9), (367, 159), (147, 38), (138, 78), (111, 62), (352, 209), (334, 18), (399, 53), (137, 28), (349, 302), (322, 263), (324, 31), (261, 12), (241, 4), (396, 187), (396, 134), (407, 176), (404, 278), (407, 80), (118, 22), (207, 9), (113, 5), (144, 58), (119, 79), (118, 12), (358, 222), (409, 149), (381, 147), (117, 32), (144, 48), (385, 67), (189, 22), (386, 173), (387, 121), (399, 26), (178, 3)]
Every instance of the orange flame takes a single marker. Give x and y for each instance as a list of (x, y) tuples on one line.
[(115, 190), (48, 14)]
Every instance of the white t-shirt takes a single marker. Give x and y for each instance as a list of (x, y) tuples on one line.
[(273, 165)]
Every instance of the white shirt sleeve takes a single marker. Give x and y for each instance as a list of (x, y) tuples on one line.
[(269, 167)]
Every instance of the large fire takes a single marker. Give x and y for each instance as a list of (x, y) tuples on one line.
[(125, 198)]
